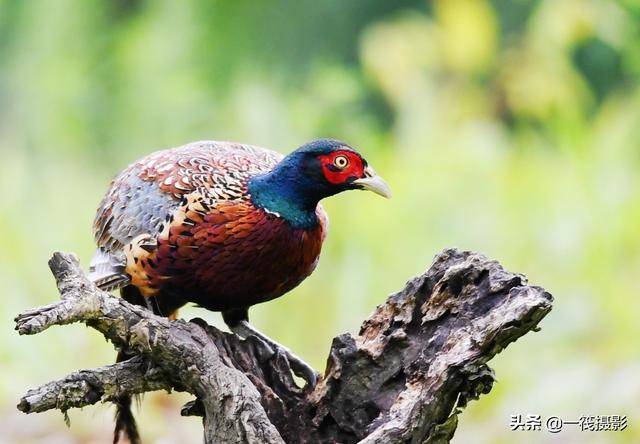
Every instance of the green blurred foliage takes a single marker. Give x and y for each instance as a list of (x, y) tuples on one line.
[(511, 127)]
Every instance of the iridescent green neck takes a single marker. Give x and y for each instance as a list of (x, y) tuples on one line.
[(286, 198), (295, 186)]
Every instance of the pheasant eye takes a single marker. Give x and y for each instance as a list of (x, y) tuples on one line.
[(341, 162)]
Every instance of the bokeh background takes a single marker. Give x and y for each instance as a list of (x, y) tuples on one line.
[(511, 127)]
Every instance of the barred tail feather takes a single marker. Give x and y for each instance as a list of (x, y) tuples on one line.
[(126, 430), (107, 270)]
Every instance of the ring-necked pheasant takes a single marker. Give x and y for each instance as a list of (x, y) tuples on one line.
[(223, 225)]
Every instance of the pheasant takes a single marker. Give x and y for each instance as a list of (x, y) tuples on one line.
[(222, 225)]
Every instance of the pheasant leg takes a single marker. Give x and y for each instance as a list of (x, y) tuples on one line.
[(298, 366)]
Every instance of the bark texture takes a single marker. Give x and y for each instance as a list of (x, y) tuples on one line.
[(416, 362)]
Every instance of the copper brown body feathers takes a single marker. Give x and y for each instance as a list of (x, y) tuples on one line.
[(183, 223)]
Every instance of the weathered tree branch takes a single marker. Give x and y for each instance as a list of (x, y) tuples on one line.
[(416, 362), (84, 387)]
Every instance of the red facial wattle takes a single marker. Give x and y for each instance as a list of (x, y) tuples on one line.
[(340, 166)]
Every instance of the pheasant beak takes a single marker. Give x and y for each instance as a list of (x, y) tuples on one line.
[(372, 182)]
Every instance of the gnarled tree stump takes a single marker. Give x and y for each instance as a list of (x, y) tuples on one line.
[(418, 359)]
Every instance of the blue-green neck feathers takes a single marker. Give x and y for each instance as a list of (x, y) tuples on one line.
[(295, 186), (287, 194), (272, 195)]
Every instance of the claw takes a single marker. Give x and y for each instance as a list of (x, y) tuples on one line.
[(298, 366), (302, 369)]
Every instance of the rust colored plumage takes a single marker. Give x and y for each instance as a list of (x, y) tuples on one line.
[(235, 255), (184, 223)]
